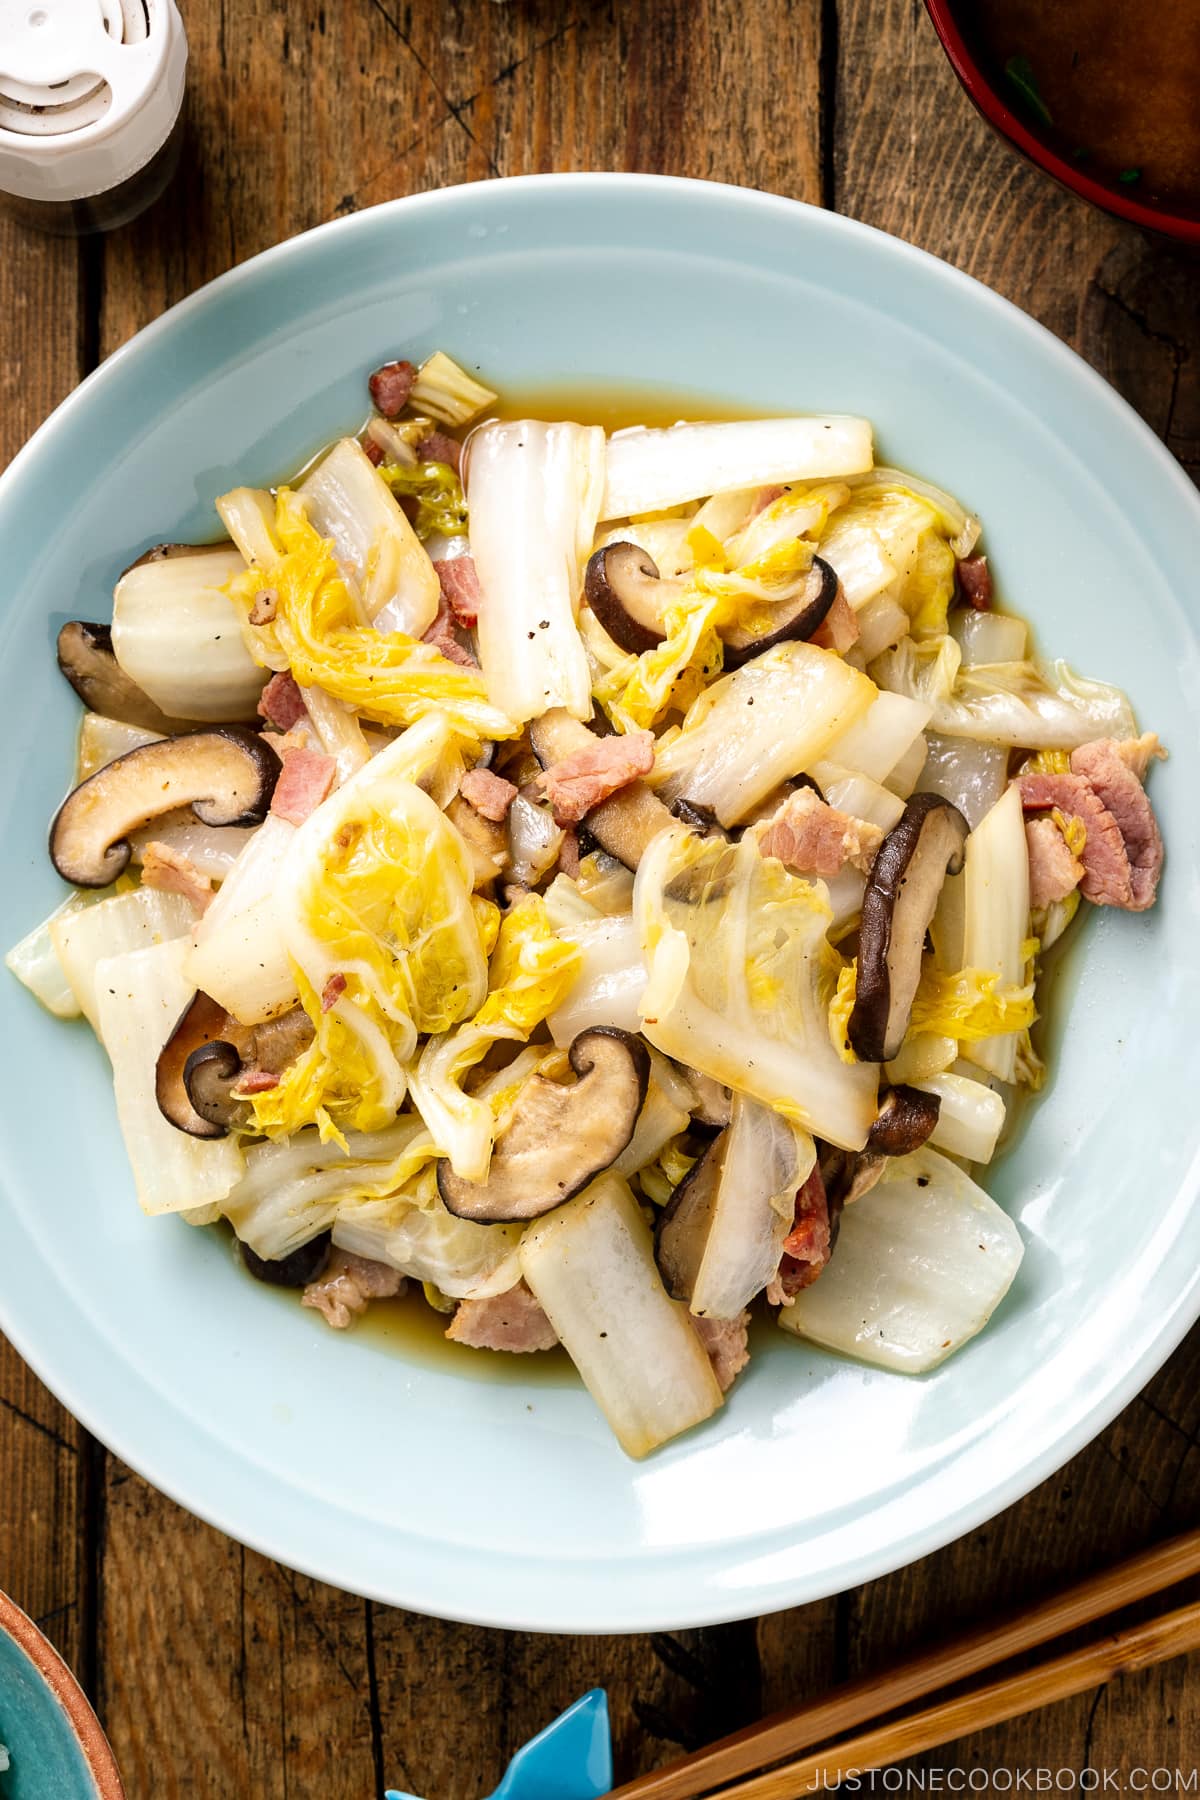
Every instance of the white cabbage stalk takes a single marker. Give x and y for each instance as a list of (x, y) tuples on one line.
[(591, 1265), (179, 636), (947, 928), (347, 500), (922, 1055), (759, 726), (971, 774), (1024, 704), (534, 840), (959, 526), (766, 1162), (605, 883), (874, 745), (970, 1119), (921, 1264), (102, 740), (248, 515), (650, 469), (988, 637), (681, 1086), (859, 796), (740, 977), (140, 996), (533, 491), (339, 732), (84, 934), (907, 772), (996, 916), (36, 964), (291, 1190), (464, 1260), (445, 390), (791, 515), (845, 890), (856, 554), (213, 848), (660, 1119), (610, 983), (238, 953), (723, 514), (882, 622)]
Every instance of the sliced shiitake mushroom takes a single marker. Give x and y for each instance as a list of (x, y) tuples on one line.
[(681, 1236), (558, 1137), (85, 656), (795, 618), (624, 589), (925, 845), (296, 1269), (714, 1102), (202, 1020), (209, 1076), (907, 1116), (623, 824), (225, 774)]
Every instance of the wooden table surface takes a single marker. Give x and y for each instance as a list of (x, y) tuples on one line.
[(216, 1672)]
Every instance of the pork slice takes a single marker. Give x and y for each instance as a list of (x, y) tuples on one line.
[(171, 872), (306, 778), (1103, 765), (1054, 871), (458, 579), (975, 580), (1107, 878), (391, 385), (814, 838), (348, 1285), (808, 1245), (256, 1081), (727, 1344), (441, 634), (838, 630), (281, 702), (439, 446), (489, 794), (513, 1321), (586, 777)]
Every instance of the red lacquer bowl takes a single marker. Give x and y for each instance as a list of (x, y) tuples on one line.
[(982, 91)]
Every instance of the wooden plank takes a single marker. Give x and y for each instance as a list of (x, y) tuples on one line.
[(42, 1557)]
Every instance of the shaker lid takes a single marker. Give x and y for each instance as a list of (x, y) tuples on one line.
[(89, 91)]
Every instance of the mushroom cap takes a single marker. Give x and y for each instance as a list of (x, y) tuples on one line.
[(906, 1117), (200, 1022), (623, 587), (295, 1270), (225, 773), (208, 1077), (558, 1137), (681, 1236), (797, 617), (925, 845), (86, 658)]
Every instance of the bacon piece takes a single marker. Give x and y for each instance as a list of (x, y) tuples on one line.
[(441, 636), (282, 704), (807, 1247), (256, 1081), (459, 581), (838, 630), (374, 452), (1107, 879), (726, 1341), (586, 777), (390, 387), (568, 853), (332, 992), (814, 838), (171, 872), (1103, 765), (440, 447), (347, 1286), (975, 581), (513, 1321), (305, 779), (489, 794), (1054, 871)]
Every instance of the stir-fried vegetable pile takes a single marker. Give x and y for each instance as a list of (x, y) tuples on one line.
[(601, 879)]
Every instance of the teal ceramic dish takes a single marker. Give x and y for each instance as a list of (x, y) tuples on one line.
[(56, 1748), (507, 1502)]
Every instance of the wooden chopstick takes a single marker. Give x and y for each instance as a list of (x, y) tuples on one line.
[(1074, 1673), (786, 1734)]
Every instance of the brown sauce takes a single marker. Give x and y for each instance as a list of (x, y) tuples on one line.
[(1109, 86)]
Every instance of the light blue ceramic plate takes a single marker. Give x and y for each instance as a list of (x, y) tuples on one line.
[(501, 1502)]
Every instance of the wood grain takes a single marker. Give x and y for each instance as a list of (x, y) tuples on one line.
[(216, 1672)]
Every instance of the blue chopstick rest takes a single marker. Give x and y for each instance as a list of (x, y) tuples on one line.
[(570, 1760)]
